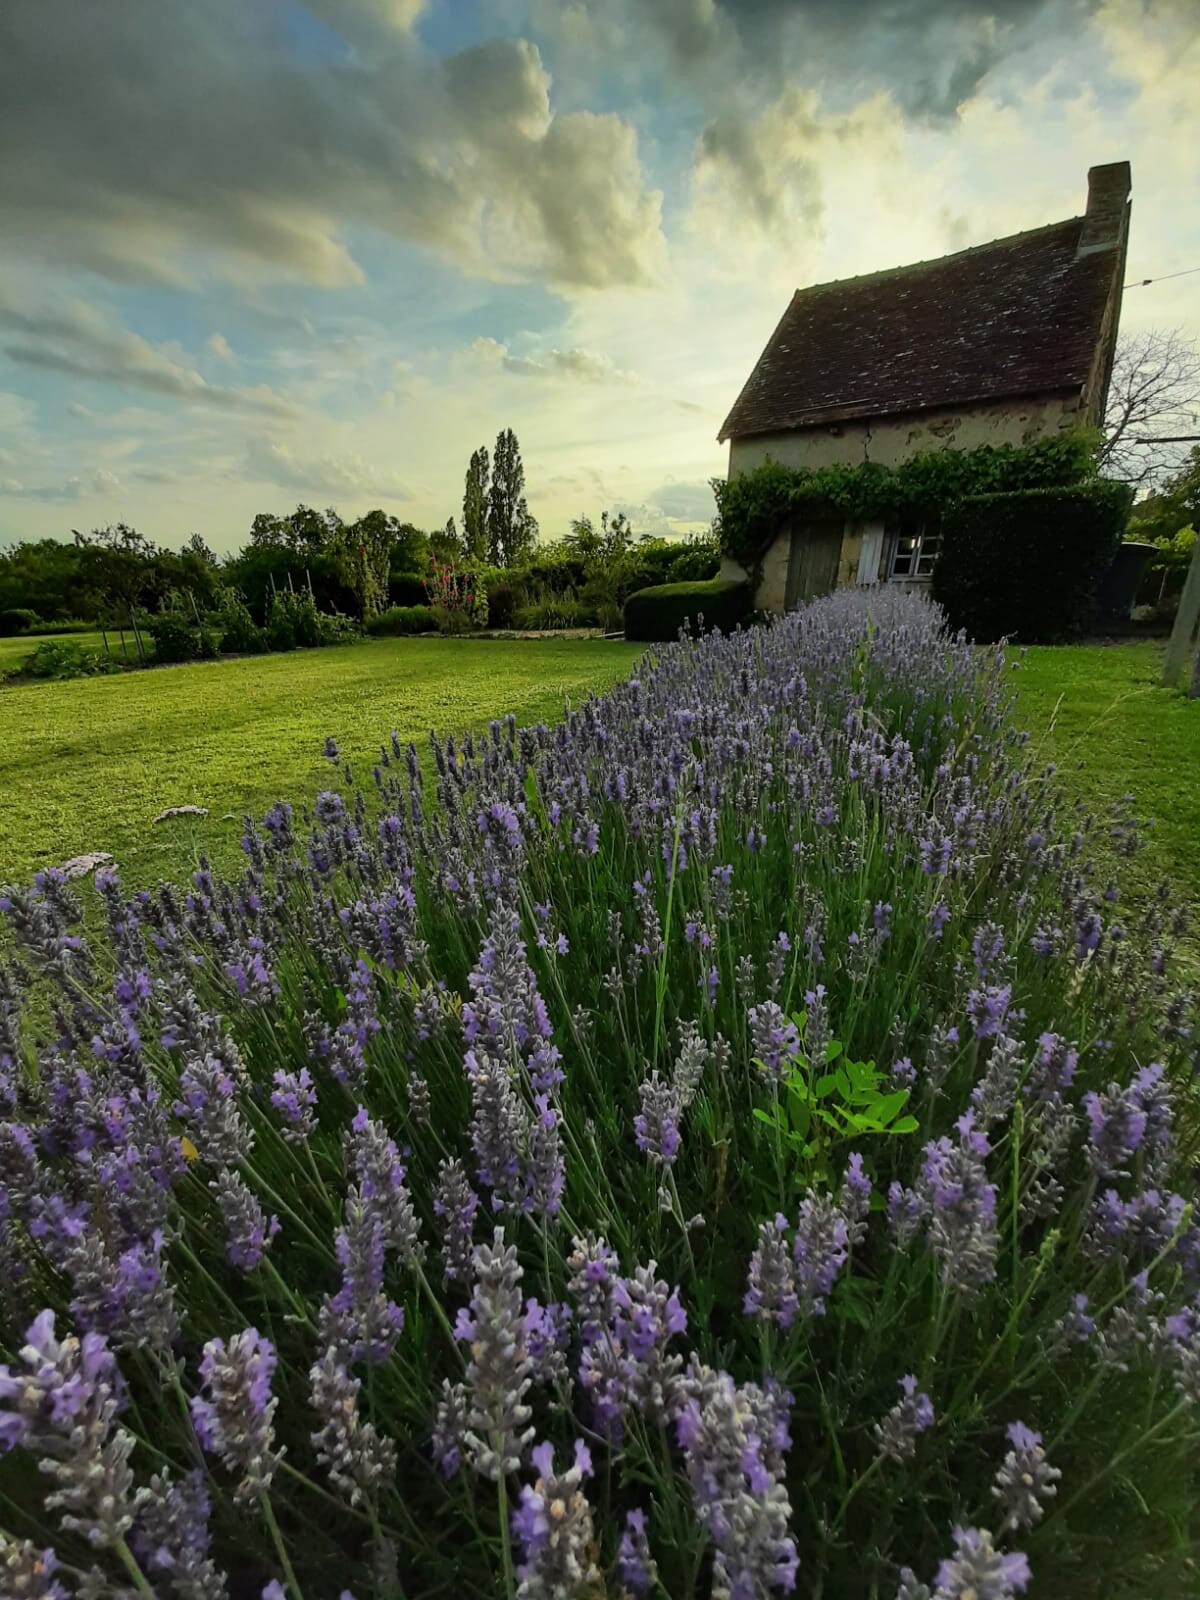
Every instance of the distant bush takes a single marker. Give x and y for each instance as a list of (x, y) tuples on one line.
[(18, 620), (502, 601), (1027, 564), (62, 625), (406, 589), (54, 660), (695, 563), (238, 631), (657, 614), (334, 627), (178, 638), (552, 616), (399, 620)]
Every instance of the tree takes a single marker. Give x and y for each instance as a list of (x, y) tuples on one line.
[(368, 544), (475, 507), (1153, 408), (445, 545), (511, 529), (121, 565)]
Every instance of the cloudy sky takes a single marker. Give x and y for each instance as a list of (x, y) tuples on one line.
[(256, 253)]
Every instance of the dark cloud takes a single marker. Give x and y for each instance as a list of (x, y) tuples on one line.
[(576, 365), (685, 502), (139, 132)]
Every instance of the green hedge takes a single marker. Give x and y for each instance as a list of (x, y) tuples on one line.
[(398, 620), (659, 613), (1028, 565)]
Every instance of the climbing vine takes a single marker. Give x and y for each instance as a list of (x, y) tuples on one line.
[(752, 506)]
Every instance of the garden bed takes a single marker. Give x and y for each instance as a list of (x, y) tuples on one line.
[(727, 1144)]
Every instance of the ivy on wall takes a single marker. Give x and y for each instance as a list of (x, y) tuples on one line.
[(752, 507)]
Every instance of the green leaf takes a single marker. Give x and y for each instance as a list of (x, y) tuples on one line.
[(906, 1125), (888, 1107), (832, 1050), (825, 1086)]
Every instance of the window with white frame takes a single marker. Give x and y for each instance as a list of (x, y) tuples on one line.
[(915, 547)]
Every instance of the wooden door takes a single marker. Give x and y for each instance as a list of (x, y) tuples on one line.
[(813, 561)]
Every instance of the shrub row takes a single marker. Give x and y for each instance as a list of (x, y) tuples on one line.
[(659, 613), (1027, 565)]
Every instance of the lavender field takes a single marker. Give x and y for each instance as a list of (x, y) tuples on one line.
[(734, 1142)]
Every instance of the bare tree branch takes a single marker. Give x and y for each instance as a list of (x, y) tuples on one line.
[(1153, 397)]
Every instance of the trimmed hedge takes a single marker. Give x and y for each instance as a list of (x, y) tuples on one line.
[(1027, 565), (656, 615), (19, 620), (397, 620)]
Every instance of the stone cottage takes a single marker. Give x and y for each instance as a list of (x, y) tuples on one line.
[(1004, 343)]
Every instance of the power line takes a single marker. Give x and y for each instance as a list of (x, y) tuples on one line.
[(1166, 277)]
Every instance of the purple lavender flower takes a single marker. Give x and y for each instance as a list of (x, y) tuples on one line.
[(455, 1204), (960, 1205), (593, 1267), (360, 1318), (855, 1199), (545, 1175), (819, 1252), (499, 1129), (977, 1570), (905, 1212), (774, 1038), (733, 1439), (647, 1314), (1116, 1128), (372, 1156), (248, 1230), (1025, 1480), (1053, 1067), (771, 1283), (61, 1405), (171, 1536), (234, 1414), (657, 1123), (28, 1572), (636, 1564), (988, 1008), (553, 1528), (499, 1371), (208, 1104), (295, 1099), (357, 1457), (897, 1433)]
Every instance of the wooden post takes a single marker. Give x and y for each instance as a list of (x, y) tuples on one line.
[(1183, 635)]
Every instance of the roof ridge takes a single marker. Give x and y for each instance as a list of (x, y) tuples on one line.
[(935, 261)]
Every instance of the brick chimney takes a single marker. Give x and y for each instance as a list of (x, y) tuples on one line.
[(1106, 220)]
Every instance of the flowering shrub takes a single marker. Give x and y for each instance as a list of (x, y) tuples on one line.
[(458, 600), (732, 1143)]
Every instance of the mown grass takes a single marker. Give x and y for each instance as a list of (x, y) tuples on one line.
[(87, 764), (1099, 713)]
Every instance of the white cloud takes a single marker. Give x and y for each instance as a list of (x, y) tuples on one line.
[(76, 339), (575, 365), (270, 461), (218, 345)]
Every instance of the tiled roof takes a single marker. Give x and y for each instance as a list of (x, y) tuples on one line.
[(1019, 316)]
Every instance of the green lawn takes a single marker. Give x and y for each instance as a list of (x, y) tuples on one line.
[(86, 764), (1098, 712)]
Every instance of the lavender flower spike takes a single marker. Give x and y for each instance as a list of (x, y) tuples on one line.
[(171, 1536), (234, 1416), (897, 1433), (553, 1527), (498, 1373), (27, 1573), (977, 1570), (248, 1230), (356, 1456), (638, 1570), (1025, 1479), (62, 1407), (771, 1282)]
